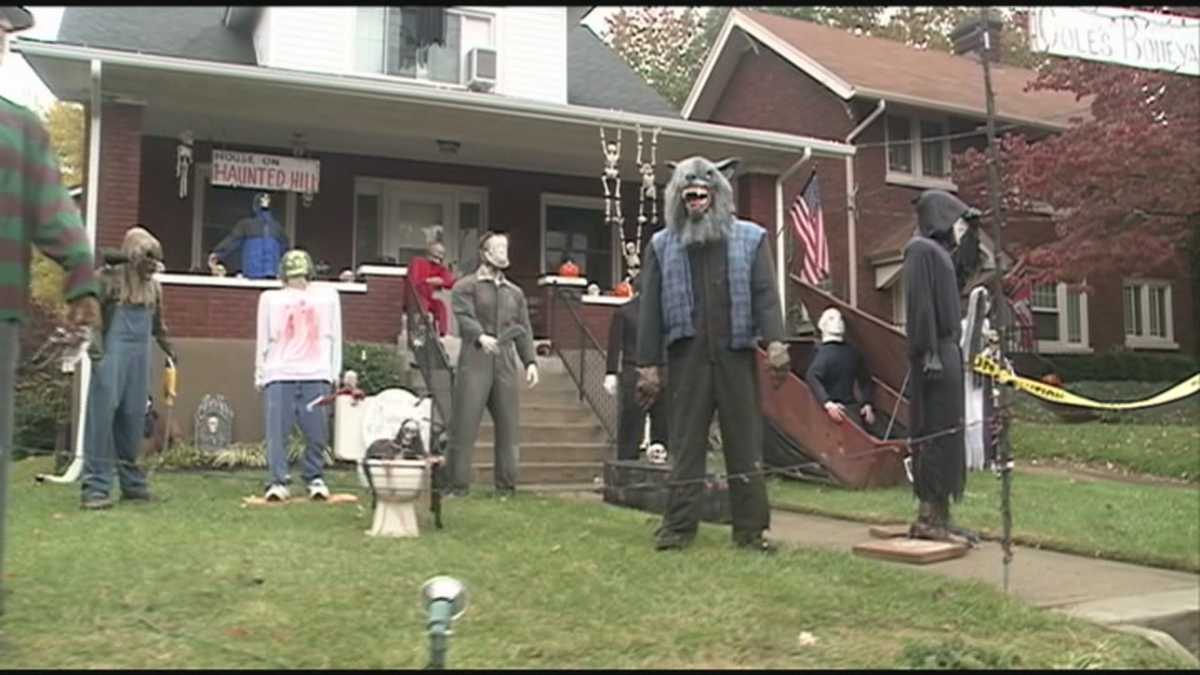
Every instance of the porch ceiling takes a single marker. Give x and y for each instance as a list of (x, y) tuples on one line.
[(228, 109)]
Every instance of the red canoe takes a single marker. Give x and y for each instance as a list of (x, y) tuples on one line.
[(848, 456)]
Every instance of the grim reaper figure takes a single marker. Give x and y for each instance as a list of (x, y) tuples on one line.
[(934, 330), (708, 294)]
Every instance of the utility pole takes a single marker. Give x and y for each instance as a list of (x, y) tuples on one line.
[(1000, 316), (1000, 303)]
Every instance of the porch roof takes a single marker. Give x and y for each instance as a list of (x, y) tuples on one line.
[(231, 103)]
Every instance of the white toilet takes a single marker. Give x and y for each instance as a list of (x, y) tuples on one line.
[(398, 484)]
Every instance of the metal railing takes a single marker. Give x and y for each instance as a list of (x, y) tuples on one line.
[(583, 358), (431, 357)]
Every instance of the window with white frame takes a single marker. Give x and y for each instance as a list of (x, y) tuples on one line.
[(392, 220), (217, 210), (573, 227), (1059, 317), (1148, 314), (386, 43), (917, 148)]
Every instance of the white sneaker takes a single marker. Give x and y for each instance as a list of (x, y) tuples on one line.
[(277, 493), (318, 490)]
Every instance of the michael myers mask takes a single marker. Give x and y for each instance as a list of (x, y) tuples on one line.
[(832, 326), (495, 251)]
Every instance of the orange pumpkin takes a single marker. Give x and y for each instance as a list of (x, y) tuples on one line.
[(568, 269), (623, 290)]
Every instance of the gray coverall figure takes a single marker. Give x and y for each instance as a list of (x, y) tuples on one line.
[(493, 321)]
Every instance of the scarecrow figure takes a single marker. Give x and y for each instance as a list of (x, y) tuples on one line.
[(131, 311)]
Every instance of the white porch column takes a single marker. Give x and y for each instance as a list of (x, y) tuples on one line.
[(781, 233)]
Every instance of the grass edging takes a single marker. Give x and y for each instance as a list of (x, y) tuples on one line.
[(1031, 541)]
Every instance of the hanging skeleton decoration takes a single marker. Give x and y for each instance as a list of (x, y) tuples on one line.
[(647, 192), (611, 179), (183, 162)]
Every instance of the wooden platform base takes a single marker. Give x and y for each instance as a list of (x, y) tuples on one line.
[(259, 500), (914, 551), (643, 486)]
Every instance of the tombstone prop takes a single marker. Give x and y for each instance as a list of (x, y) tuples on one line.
[(213, 423)]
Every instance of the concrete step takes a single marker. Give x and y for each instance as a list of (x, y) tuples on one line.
[(484, 452), (553, 414), (538, 432), (545, 472)]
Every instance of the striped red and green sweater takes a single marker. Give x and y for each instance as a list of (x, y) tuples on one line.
[(36, 209)]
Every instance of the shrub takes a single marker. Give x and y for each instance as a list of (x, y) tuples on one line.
[(1124, 366), (41, 395), (236, 456), (378, 366)]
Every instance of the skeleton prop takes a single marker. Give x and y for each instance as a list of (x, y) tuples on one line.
[(611, 179), (708, 301), (183, 162)]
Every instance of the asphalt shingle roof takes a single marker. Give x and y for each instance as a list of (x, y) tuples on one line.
[(596, 75)]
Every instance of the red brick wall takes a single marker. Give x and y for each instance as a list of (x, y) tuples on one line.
[(216, 312), (766, 92), (326, 227), (120, 172)]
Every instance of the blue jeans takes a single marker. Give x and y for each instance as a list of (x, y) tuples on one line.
[(116, 406), (287, 404)]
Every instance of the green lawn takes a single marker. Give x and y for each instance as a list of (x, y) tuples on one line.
[(1150, 524), (1172, 451), (200, 582)]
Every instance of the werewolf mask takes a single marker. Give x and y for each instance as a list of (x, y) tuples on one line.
[(699, 201)]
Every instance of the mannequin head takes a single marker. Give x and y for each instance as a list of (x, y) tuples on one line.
[(296, 268), (493, 250), (832, 326)]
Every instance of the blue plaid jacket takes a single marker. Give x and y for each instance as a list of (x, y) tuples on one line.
[(677, 301)]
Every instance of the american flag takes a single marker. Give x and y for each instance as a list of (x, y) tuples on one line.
[(810, 227)]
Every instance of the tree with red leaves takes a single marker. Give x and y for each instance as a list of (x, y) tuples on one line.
[(1124, 182)]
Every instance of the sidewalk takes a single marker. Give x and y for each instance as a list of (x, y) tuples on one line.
[(1103, 591), (1161, 605)]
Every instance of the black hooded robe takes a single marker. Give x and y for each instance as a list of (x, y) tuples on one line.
[(933, 324)]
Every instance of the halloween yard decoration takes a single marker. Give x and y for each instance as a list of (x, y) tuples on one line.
[(611, 178), (131, 311), (213, 423), (977, 338), (183, 162), (493, 321), (933, 326), (620, 380), (647, 197), (709, 297), (297, 358), (836, 368), (256, 243), (428, 275)]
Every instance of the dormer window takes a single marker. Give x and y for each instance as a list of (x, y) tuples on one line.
[(918, 151), (397, 41)]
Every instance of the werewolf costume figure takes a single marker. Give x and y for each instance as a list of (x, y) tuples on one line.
[(708, 292), (934, 328)]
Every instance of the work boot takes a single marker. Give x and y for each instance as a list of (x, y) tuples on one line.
[(928, 524), (140, 497), (666, 540), (757, 543), (96, 503)]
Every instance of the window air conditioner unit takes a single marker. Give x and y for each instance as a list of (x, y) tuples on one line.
[(481, 69)]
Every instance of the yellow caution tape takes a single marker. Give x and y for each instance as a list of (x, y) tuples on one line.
[(985, 365)]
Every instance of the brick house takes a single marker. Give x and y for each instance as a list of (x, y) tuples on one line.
[(792, 76), (497, 128)]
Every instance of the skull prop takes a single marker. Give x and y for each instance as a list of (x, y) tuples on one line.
[(832, 326)]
